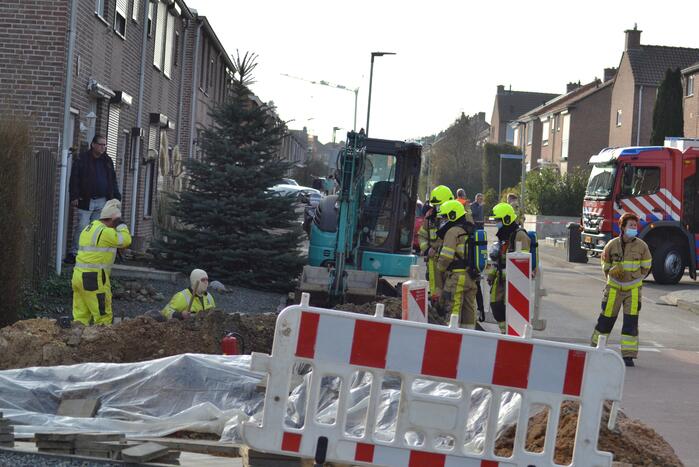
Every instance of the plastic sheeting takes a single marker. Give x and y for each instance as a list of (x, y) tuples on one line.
[(213, 394), (154, 398)]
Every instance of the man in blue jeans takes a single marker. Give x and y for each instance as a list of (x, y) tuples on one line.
[(92, 183)]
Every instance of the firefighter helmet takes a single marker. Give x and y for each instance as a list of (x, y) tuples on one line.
[(440, 194), (504, 212), (452, 210)]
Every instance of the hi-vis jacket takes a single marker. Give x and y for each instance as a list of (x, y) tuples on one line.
[(180, 302), (427, 235), (98, 247), (626, 264)]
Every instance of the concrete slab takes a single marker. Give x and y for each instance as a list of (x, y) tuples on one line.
[(138, 272), (84, 408), (144, 453), (213, 448)]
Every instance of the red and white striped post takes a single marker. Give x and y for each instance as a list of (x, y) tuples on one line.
[(518, 310)]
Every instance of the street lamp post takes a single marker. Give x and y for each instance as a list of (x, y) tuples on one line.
[(371, 77)]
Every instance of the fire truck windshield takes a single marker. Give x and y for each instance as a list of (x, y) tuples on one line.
[(601, 182)]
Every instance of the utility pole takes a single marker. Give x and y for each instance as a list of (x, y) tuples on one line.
[(331, 85)]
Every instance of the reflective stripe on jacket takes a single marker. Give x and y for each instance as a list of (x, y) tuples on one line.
[(626, 264), (98, 246), (180, 302)]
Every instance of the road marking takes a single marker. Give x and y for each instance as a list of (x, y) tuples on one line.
[(655, 344)]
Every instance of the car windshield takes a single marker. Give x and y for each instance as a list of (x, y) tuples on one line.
[(601, 182)]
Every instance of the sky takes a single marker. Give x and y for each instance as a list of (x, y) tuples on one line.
[(450, 55)]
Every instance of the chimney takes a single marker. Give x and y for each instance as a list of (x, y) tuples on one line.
[(481, 116), (572, 87), (609, 73), (501, 89), (633, 38)]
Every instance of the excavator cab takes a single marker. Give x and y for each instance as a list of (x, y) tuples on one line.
[(382, 203)]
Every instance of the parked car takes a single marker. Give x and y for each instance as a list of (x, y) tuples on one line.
[(290, 181), (285, 189)]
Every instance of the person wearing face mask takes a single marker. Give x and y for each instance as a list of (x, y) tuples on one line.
[(626, 261), (97, 249), (509, 234), (191, 300)]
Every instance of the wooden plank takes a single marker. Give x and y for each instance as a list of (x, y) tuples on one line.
[(201, 446)]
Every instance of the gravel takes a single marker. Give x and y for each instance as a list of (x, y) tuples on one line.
[(235, 299), (10, 458)]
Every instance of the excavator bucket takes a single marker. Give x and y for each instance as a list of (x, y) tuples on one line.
[(316, 280)]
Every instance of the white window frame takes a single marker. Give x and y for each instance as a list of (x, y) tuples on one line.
[(618, 117), (100, 6), (160, 29), (122, 7), (690, 85), (530, 133), (545, 130), (169, 40), (565, 138), (151, 12), (136, 10)]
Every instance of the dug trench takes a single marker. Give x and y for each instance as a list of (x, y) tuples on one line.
[(41, 342)]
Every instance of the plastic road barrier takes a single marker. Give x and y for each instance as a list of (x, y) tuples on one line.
[(339, 344), (518, 309)]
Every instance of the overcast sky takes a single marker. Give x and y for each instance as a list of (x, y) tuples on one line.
[(450, 55)]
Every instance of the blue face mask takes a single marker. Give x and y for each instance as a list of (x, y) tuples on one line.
[(631, 232), (499, 225)]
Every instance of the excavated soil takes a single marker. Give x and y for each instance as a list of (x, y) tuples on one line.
[(41, 342), (392, 309), (631, 442)]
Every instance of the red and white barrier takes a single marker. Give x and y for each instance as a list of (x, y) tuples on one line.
[(340, 344), (518, 294)]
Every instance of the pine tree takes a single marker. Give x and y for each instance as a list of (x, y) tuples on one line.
[(667, 113), (229, 224)]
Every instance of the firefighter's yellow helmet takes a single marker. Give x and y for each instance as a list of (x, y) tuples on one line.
[(440, 194), (504, 212), (452, 210)]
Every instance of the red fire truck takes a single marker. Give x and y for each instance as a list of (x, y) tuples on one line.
[(658, 184)]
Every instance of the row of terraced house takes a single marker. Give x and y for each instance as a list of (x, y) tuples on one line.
[(144, 74), (564, 130)]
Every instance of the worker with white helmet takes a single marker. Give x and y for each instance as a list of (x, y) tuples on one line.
[(97, 249), (191, 300)]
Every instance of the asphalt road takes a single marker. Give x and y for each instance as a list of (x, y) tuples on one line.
[(662, 390)]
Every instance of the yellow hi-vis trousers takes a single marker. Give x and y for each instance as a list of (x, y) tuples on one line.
[(459, 297), (613, 300), (92, 297), (497, 300)]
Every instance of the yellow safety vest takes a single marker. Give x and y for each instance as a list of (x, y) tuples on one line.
[(180, 302), (98, 246)]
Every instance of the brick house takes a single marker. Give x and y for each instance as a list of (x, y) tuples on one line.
[(690, 82), (641, 70), (508, 106), (131, 57), (564, 132)]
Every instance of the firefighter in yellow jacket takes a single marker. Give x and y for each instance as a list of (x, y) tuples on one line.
[(626, 261), (509, 234), (191, 300), (429, 242), (97, 249), (459, 294)]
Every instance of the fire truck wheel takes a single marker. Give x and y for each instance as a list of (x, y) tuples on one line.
[(668, 264)]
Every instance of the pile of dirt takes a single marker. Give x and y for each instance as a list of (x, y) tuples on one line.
[(392, 309), (41, 342), (632, 441)]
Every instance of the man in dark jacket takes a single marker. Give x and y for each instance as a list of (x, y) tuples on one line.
[(477, 211), (92, 183)]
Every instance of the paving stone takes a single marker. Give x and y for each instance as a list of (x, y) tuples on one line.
[(84, 408), (144, 452)]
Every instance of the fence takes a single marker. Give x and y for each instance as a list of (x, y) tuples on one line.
[(429, 429)]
